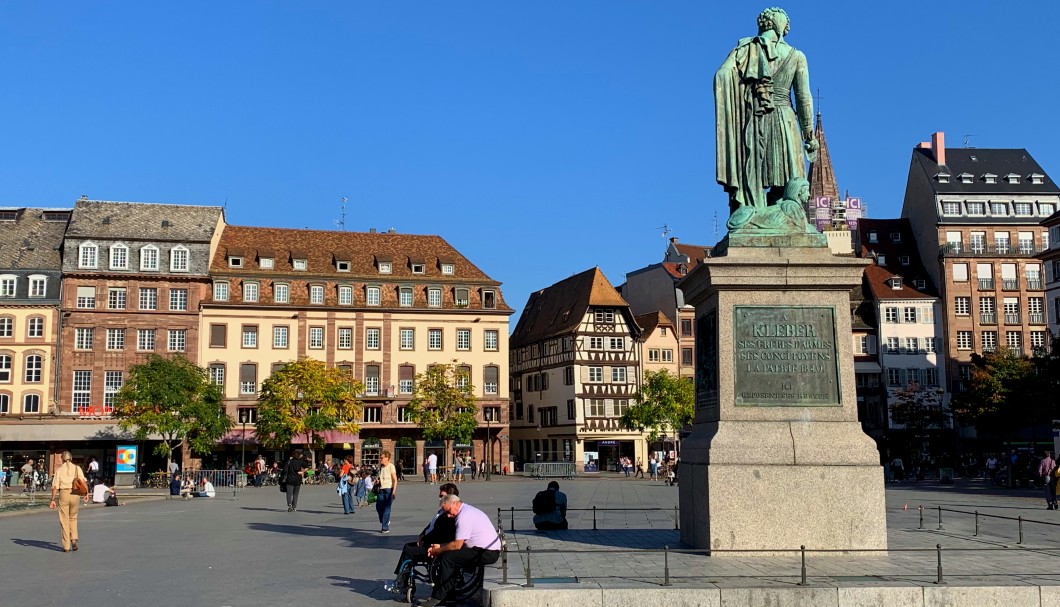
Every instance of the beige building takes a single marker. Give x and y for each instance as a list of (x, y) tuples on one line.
[(384, 305), (575, 368), (659, 343)]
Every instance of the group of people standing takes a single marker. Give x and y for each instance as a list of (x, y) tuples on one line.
[(350, 487)]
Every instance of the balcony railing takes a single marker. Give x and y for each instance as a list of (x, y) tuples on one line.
[(986, 283), (1036, 318), (1012, 319), (1010, 284), (959, 249), (1034, 283), (988, 319)]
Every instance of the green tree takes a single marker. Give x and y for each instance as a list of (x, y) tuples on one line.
[(918, 408), (998, 393), (172, 398), (443, 405), (305, 398), (664, 404)]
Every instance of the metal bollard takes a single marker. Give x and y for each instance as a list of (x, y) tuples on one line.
[(677, 526), (666, 566), (921, 508), (500, 524), (976, 522), (803, 550), (1020, 520), (940, 518), (513, 519), (504, 563), (529, 580), (938, 550), (594, 518)]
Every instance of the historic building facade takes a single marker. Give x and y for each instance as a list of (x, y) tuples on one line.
[(575, 368), (385, 306), (1051, 258)]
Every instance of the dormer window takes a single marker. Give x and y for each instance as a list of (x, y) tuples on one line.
[(119, 257), (895, 282), (976, 208), (149, 258), (88, 256), (418, 267), (896, 237), (904, 260), (8, 215), (966, 177), (489, 300), (299, 265), (448, 268), (178, 259), (265, 263), (881, 259), (1036, 178), (342, 266), (873, 238), (942, 177), (989, 177), (461, 298), (920, 283), (1012, 178), (235, 261), (385, 267)]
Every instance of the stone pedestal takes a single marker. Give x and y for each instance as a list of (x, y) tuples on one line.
[(777, 457)]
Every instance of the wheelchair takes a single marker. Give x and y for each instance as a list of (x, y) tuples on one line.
[(424, 573)]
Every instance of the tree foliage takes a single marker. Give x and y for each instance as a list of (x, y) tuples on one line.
[(918, 408), (443, 404), (999, 394), (173, 398), (665, 403), (305, 398)]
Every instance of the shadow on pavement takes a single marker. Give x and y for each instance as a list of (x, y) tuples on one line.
[(356, 537), (622, 538), (367, 588), (38, 544)]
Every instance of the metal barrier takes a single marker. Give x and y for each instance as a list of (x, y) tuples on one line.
[(1018, 519), (222, 480), (512, 510), (549, 469)]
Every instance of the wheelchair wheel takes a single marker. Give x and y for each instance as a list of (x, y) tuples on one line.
[(410, 593)]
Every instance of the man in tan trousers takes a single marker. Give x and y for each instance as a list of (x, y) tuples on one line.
[(67, 503)]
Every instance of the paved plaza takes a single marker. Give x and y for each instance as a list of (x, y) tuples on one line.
[(251, 551)]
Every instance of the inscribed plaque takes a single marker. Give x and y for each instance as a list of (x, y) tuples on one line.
[(785, 356)]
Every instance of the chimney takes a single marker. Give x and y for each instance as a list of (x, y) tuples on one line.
[(673, 239), (938, 147)]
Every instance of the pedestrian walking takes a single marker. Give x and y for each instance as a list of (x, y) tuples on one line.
[(387, 493), (346, 493), (640, 469), (66, 501), (653, 468), (293, 473), (259, 470), (1046, 469)]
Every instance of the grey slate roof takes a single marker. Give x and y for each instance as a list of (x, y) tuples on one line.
[(143, 220), (30, 243), (979, 161)]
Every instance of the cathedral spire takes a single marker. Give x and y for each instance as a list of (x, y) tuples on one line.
[(822, 175)]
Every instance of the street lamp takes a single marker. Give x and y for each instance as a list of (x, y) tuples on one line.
[(489, 418), (243, 415)]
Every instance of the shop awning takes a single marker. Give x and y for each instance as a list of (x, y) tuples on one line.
[(65, 431), (866, 367)]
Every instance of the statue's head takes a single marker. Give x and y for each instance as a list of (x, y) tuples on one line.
[(797, 189), (774, 18)]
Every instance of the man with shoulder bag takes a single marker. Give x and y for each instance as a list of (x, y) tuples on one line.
[(291, 479)]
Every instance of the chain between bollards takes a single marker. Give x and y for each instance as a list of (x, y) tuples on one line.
[(938, 550), (666, 566), (529, 580), (802, 549)]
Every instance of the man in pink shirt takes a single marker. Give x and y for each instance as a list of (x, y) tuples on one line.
[(477, 543), (1045, 471)]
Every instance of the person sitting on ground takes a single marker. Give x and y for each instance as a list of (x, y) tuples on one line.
[(476, 544), (174, 486), (206, 489), (550, 508), (187, 488), (440, 530), (102, 494)]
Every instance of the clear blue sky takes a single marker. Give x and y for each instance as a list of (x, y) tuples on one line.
[(539, 138)]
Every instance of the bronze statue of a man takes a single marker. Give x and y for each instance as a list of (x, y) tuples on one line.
[(761, 138)]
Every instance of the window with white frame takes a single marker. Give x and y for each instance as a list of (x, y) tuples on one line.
[(929, 345), (86, 298), (1014, 341), (406, 379), (434, 339), (34, 368), (119, 257), (5, 368), (489, 299), (998, 209), (372, 296), (178, 340), (250, 292), (1022, 208), (35, 327), (654, 355), (372, 338), (407, 339), (281, 293), (404, 415), (618, 374), (1038, 339), (112, 382), (616, 343), (7, 285), (88, 256), (265, 263), (989, 341), (596, 343), (316, 294), (248, 378), (951, 208), (149, 257), (912, 345), (405, 297), (235, 261), (280, 337), (595, 408), (448, 268), (345, 338), (145, 340), (385, 267), (148, 298), (371, 380), (250, 336), (434, 298), (490, 379), (463, 339), (890, 314), (372, 414), (217, 374), (7, 326), (31, 403), (38, 285), (892, 345), (962, 306), (461, 297), (596, 374), (667, 355), (299, 265), (964, 340), (116, 298), (220, 291), (909, 314), (115, 339), (82, 390), (342, 266), (178, 300), (83, 338), (178, 259), (5, 403), (491, 340), (345, 295), (463, 377), (316, 337)]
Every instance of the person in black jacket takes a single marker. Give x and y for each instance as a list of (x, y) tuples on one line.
[(293, 472), (439, 530)]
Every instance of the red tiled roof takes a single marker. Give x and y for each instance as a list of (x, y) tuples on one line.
[(560, 308)]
